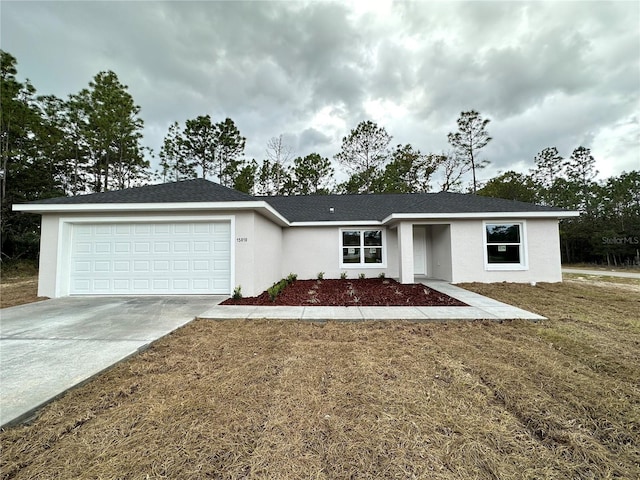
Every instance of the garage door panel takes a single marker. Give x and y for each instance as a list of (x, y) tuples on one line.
[(161, 266), (101, 266), (182, 228), (161, 247), (121, 285), (162, 258), (201, 247), (122, 266), (141, 266), (161, 284), (142, 247), (224, 228), (122, 247)]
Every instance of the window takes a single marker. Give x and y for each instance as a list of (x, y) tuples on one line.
[(504, 246), (361, 248)]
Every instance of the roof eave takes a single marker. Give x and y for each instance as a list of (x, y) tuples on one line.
[(260, 206), (394, 217)]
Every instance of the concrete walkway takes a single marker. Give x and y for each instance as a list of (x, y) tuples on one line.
[(49, 347), (603, 273), (479, 308)]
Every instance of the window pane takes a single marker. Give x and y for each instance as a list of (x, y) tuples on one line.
[(503, 253), (373, 255), (351, 238), (373, 238), (507, 233), (351, 255)]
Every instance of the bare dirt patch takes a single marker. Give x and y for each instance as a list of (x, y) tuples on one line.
[(290, 399), (631, 284), (18, 291), (358, 292)]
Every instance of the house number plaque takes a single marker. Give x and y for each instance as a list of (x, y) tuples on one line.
[(241, 240)]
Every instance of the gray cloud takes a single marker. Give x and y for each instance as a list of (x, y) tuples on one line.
[(546, 74)]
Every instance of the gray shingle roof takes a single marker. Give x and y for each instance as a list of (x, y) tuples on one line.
[(309, 208), (197, 190), (379, 206)]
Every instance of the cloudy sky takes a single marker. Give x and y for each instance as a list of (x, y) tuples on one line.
[(558, 74)]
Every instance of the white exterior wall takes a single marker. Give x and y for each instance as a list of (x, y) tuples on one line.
[(264, 252), (542, 244), (48, 256), (55, 245), (268, 253), (405, 252), (310, 250)]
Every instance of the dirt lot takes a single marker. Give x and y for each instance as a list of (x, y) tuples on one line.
[(18, 286), (275, 399)]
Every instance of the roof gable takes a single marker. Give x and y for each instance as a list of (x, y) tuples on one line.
[(375, 208), (196, 190)]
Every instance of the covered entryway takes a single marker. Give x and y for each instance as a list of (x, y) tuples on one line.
[(145, 258), (424, 250)]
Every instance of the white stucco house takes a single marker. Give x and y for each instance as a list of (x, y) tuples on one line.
[(197, 237)]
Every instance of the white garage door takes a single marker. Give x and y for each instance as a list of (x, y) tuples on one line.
[(151, 258)]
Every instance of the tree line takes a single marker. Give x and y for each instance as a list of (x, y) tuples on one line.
[(92, 142)]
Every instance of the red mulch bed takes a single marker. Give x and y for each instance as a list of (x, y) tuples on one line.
[(358, 292)]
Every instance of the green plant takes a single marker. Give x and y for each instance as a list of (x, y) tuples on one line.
[(343, 275), (292, 277), (277, 288), (361, 276), (381, 275), (320, 275), (237, 292)]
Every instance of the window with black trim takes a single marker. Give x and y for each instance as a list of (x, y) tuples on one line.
[(504, 245), (361, 248)]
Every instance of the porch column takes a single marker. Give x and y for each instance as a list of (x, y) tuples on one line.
[(405, 251)]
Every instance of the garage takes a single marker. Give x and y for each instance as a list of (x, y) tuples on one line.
[(145, 258)]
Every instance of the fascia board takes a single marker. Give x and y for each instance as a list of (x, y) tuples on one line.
[(261, 206), (334, 223), (477, 215)]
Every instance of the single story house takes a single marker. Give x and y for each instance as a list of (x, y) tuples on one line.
[(198, 237)]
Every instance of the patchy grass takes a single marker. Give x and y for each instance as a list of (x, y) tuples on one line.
[(605, 268), (19, 285), (284, 399), (581, 277)]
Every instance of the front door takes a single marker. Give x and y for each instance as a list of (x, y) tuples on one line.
[(419, 251)]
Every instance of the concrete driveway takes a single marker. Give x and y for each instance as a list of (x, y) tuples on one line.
[(50, 346)]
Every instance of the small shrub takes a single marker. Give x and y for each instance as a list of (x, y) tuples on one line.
[(343, 275), (237, 293), (292, 277), (320, 275), (381, 275), (277, 288), (361, 276)]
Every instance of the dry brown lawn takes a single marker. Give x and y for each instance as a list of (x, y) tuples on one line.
[(19, 285), (284, 399), (578, 277)]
